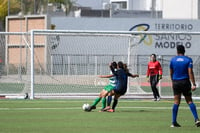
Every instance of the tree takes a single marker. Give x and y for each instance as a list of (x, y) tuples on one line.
[(15, 8), (67, 3), (28, 7), (2, 12), (3, 9), (37, 6)]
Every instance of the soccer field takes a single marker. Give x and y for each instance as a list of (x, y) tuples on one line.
[(67, 116)]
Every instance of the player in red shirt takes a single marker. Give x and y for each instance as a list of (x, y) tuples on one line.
[(154, 74)]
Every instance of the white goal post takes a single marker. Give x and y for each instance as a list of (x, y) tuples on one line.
[(74, 59), (66, 63)]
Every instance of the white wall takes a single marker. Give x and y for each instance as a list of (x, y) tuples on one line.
[(94, 4), (180, 9), (136, 4), (172, 9), (140, 4)]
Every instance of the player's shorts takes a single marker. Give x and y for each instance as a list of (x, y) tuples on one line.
[(108, 88), (120, 91), (182, 87)]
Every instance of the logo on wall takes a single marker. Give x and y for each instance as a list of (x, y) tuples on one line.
[(54, 41), (146, 39)]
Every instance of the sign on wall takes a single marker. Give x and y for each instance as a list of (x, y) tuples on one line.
[(159, 44)]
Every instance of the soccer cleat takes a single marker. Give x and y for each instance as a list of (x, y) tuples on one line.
[(26, 96), (110, 110), (154, 99), (158, 99), (197, 123), (90, 108), (175, 125), (106, 108), (102, 110)]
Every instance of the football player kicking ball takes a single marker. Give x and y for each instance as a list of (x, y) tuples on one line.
[(120, 89), (106, 90)]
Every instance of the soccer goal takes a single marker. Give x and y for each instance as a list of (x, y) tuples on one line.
[(69, 62), (66, 64), (15, 65)]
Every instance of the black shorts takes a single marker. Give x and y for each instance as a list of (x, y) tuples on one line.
[(120, 91), (182, 87)]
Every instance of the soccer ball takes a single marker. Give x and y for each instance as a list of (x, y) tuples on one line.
[(85, 106)]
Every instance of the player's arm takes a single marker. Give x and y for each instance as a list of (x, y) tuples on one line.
[(133, 75), (106, 76), (171, 73), (160, 70), (148, 71), (171, 70), (192, 78)]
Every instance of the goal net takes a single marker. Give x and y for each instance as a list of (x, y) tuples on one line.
[(69, 63), (14, 65), (66, 64)]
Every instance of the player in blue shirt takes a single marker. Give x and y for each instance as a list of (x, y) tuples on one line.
[(181, 72), (104, 93), (120, 89)]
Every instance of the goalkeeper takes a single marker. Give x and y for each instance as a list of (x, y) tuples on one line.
[(106, 90), (154, 74)]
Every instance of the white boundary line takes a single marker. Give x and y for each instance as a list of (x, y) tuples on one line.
[(80, 108)]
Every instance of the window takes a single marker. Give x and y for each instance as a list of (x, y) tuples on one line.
[(120, 5)]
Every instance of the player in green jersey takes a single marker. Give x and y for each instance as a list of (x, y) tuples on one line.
[(106, 90)]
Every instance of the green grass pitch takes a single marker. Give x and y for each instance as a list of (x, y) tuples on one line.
[(67, 116)]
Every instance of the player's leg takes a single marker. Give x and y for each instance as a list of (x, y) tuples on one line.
[(110, 94), (96, 101), (193, 109), (117, 93), (104, 95), (188, 98), (154, 82), (115, 102), (175, 108), (104, 108), (103, 103), (109, 99), (177, 99)]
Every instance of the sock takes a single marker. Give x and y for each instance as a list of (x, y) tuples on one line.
[(96, 101), (109, 100), (174, 112), (193, 110), (114, 103), (103, 102)]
